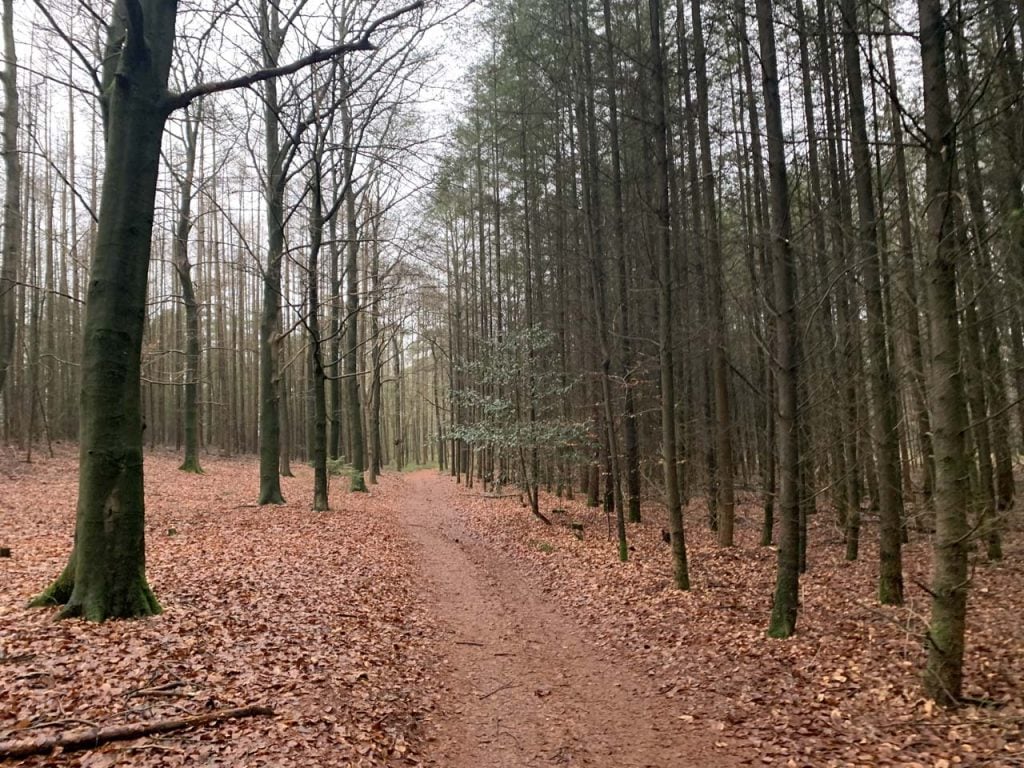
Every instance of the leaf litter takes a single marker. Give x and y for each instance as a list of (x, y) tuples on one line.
[(844, 691), (320, 615), (314, 614)]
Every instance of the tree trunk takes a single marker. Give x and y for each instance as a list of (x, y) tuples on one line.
[(321, 503), (669, 453), (785, 603), (105, 575), (724, 481), (352, 399), (269, 383), (12, 199), (183, 267), (883, 387), (943, 676), (629, 426)]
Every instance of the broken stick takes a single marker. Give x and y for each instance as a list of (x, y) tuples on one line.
[(92, 737)]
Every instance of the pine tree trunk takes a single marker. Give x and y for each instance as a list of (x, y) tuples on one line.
[(785, 604), (883, 387), (12, 198), (669, 453), (724, 480), (943, 678)]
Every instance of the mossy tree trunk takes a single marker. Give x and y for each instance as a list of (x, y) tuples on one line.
[(105, 576)]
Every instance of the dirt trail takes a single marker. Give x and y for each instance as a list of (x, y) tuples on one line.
[(527, 688)]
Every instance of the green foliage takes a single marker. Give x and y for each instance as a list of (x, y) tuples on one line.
[(338, 467), (505, 379)]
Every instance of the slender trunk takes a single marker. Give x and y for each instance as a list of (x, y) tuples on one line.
[(716, 294), (912, 368), (376, 347), (883, 387), (12, 198), (352, 400), (785, 603), (629, 420), (269, 384), (661, 169), (318, 456), (943, 678), (183, 267)]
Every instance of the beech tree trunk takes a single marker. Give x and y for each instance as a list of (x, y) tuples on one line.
[(183, 267), (105, 575), (270, 316), (352, 398)]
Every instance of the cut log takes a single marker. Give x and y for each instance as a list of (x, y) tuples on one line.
[(82, 738)]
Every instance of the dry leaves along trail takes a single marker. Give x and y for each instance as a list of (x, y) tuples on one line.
[(527, 688)]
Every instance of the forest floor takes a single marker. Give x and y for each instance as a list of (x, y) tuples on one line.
[(426, 624)]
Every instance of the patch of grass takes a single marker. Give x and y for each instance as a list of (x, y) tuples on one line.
[(543, 546)]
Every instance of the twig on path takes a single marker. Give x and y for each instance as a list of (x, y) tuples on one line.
[(16, 659), (91, 737), (167, 689), (469, 642), (499, 688)]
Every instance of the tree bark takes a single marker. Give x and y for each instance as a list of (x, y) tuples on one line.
[(270, 316), (663, 242), (183, 267), (105, 576), (943, 677), (716, 299), (785, 603), (883, 386), (12, 198), (352, 398)]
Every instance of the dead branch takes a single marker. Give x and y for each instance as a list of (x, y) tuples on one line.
[(92, 737)]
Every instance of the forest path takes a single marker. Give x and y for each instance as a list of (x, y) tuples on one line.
[(526, 687)]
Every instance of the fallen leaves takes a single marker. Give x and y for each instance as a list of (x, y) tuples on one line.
[(315, 614), (844, 691)]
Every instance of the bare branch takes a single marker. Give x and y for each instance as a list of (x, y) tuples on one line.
[(318, 55)]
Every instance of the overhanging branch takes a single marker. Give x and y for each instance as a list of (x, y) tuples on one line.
[(177, 101)]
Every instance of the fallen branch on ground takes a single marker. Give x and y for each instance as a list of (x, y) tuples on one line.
[(93, 737)]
